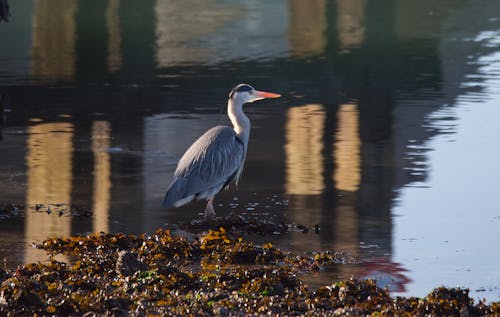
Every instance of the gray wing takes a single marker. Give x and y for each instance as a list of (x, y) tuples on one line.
[(208, 165)]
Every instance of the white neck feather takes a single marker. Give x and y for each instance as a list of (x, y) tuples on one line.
[(240, 121)]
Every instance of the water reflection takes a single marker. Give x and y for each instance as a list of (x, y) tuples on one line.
[(177, 25), (304, 145), (350, 23), (4, 11), (101, 137), (307, 26), (347, 175), (54, 39), (49, 163), (306, 133), (114, 36), (372, 83)]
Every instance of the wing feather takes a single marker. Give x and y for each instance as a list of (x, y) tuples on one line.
[(206, 166)]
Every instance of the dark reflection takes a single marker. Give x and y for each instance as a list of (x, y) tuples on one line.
[(137, 22), (91, 42), (4, 11), (117, 89), (2, 116)]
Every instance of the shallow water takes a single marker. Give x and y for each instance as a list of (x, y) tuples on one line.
[(386, 135)]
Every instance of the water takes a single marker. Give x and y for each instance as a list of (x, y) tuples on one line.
[(386, 135)]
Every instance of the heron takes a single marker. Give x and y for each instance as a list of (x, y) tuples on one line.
[(216, 159)]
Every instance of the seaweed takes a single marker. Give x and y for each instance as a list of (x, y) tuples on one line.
[(217, 273)]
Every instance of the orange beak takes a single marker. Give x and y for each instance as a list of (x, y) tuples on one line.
[(264, 94)]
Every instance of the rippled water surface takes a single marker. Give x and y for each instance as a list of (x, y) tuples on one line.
[(386, 135)]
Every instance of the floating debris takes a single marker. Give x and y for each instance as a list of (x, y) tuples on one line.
[(18, 210), (217, 273)]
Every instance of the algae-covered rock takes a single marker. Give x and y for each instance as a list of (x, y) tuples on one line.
[(219, 273)]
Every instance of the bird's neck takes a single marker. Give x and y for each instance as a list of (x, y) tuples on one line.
[(240, 121)]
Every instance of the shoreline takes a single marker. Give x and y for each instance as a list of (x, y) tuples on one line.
[(214, 273)]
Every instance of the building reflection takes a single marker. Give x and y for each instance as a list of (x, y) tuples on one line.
[(304, 181), (307, 130), (332, 204), (54, 37), (101, 137), (49, 164), (307, 26), (347, 174), (114, 36), (347, 178), (350, 23), (303, 149), (172, 33)]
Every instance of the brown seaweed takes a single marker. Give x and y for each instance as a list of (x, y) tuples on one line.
[(218, 273)]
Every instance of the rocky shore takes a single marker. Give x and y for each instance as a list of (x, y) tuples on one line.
[(214, 273)]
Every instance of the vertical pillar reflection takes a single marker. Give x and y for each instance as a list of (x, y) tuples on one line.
[(307, 26), (53, 51), (114, 36), (101, 135), (304, 131), (347, 173), (350, 22), (49, 164), (304, 144), (347, 177)]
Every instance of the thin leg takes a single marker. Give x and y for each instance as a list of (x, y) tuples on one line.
[(209, 210)]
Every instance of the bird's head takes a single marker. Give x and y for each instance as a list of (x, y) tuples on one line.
[(244, 93)]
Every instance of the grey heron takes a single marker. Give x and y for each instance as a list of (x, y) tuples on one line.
[(216, 159)]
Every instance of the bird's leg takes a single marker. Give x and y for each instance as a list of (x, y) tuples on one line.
[(209, 210)]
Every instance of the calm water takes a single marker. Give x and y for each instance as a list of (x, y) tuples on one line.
[(387, 134)]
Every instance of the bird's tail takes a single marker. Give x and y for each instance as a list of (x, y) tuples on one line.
[(176, 195)]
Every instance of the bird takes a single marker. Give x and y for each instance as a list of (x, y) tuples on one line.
[(216, 159)]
